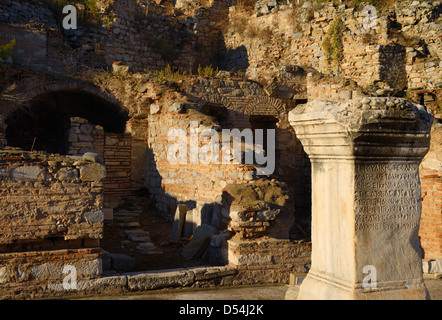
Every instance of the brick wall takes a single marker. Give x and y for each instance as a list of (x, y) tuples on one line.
[(44, 197), (431, 219), (267, 260), (117, 159), (175, 183), (115, 150), (30, 275), (50, 215), (431, 185)]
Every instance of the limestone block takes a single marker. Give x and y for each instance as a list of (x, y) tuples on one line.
[(155, 108), (67, 174), (190, 223), (84, 138), (196, 247), (435, 266), (178, 221), (96, 216), (91, 156), (175, 107), (116, 66), (157, 280), (86, 128), (109, 141), (26, 172), (204, 230), (92, 172)]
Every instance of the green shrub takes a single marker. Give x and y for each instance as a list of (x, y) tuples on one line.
[(5, 50), (167, 75), (207, 71), (333, 45)]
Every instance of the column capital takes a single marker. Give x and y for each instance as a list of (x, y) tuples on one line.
[(363, 127)]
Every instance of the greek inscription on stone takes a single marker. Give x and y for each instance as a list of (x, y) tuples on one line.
[(387, 196)]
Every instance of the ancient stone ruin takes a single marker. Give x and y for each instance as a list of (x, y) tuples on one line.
[(162, 144), (372, 149)]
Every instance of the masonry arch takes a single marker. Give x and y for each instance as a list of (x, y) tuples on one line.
[(43, 122)]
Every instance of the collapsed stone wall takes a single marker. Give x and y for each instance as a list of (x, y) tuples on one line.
[(142, 35), (402, 50), (38, 39), (51, 215), (216, 202)]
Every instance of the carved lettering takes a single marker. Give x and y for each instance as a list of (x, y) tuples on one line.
[(387, 196)]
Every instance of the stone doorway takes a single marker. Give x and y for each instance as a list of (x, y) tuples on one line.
[(265, 123)]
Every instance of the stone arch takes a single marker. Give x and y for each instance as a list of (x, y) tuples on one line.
[(19, 96), (216, 99), (262, 105), (42, 108)]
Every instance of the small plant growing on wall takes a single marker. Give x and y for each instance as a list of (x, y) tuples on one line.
[(333, 45), (207, 71), (5, 50), (167, 75)]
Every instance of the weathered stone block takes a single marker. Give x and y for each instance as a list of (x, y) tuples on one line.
[(67, 174), (26, 172), (195, 248), (96, 216), (204, 230), (109, 141), (91, 156), (157, 280), (92, 172), (178, 221), (84, 138)]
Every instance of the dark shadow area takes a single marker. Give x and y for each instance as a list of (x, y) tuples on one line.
[(232, 59), (393, 61), (44, 124)]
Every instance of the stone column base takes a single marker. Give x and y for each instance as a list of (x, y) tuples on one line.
[(319, 286)]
